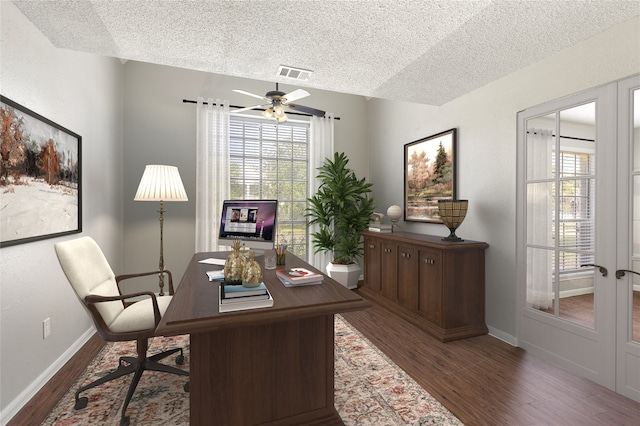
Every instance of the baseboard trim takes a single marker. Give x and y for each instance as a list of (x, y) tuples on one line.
[(505, 337), (25, 396)]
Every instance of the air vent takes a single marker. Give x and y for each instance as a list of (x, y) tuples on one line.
[(294, 73)]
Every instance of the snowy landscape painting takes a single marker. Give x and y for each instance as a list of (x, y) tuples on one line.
[(40, 177)]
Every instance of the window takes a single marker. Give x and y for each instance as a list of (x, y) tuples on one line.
[(575, 218), (271, 161)]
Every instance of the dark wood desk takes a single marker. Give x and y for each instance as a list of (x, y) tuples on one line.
[(262, 366)]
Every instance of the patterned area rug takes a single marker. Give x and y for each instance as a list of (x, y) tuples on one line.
[(369, 389)]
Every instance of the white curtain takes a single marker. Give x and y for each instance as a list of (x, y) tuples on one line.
[(539, 218), (212, 170), (321, 147)]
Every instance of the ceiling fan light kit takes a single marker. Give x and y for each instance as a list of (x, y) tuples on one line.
[(277, 100)]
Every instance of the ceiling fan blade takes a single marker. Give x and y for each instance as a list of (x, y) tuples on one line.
[(295, 95), (248, 108), (249, 94), (307, 110)]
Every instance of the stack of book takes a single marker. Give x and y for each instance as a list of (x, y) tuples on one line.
[(380, 227), (216, 275), (239, 297), (294, 277)]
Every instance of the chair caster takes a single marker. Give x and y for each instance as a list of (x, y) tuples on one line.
[(186, 387), (180, 359), (81, 403), (124, 421)]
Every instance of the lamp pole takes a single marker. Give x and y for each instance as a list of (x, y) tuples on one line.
[(161, 263)]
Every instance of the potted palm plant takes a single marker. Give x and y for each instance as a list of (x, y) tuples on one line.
[(342, 209)]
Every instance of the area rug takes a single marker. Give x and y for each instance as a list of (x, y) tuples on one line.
[(369, 389)]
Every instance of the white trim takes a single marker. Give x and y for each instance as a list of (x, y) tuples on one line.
[(576, 292), (21, 400), (501, 335)]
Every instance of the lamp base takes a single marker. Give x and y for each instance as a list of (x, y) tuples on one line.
[(452, 236)]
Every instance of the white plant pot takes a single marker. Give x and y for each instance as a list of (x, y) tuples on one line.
[(347, 275)]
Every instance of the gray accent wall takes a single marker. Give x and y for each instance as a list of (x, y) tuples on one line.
[(160, 129)]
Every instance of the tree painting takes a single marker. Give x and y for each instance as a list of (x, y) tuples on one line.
[(429, 175), (39, 177)]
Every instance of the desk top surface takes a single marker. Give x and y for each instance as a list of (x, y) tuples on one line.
[(194, 307)]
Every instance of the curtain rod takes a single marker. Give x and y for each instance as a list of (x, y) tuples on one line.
[(189, 101), (568, 137)]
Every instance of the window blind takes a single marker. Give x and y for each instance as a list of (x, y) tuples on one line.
[(271, 161)]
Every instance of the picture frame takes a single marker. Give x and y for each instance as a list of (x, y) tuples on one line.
[(430, 171), (40, 177)]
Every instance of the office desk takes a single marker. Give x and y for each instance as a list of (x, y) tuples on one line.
[(262, 366)]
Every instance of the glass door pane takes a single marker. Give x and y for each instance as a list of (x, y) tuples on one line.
[(540, 207), (560, 212), (576, 214)]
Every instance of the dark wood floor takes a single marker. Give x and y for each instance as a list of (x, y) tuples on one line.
[(485, 381), (482, 380)]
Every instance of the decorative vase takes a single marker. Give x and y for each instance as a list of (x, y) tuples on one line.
[(252, 273), (234, 265), (452, 213), (394, 213)]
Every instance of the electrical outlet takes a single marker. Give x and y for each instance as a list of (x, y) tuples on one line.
[(46, 328)]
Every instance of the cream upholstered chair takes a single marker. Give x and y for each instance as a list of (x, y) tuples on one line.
[(117, 316)]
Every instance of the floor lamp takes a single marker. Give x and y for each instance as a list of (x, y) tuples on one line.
[(161, 183)]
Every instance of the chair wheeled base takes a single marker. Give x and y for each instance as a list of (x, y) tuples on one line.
[(128, 365)]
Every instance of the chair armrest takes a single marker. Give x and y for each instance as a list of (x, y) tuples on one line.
[(94, 299), (144, 274)]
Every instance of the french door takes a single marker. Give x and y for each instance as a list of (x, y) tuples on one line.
[(576, 177)]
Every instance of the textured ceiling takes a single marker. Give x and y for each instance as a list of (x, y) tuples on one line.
[(419, 51)]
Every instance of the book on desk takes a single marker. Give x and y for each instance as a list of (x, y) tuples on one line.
[(217, 275), (235, 300), (234, 291), (291, 277)]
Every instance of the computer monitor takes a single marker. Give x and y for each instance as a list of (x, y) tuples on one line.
[(253, 222)]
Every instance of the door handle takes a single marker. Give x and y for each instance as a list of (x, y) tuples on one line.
[(620, 273), (602, 269)]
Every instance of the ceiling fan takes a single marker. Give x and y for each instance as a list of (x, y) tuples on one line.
[(275, 100)]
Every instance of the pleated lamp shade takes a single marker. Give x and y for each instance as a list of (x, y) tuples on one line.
[(161, 183)]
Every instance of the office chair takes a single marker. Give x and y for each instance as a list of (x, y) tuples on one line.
[(116, 317)]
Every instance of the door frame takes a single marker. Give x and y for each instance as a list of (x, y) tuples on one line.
[(627, 351)]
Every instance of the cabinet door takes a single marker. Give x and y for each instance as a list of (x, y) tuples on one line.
[(372, 265), (408, 277), (388, 273), (430, 295)]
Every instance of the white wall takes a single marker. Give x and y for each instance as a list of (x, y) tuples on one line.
[(84, 94), (161, 129), (486, 123)]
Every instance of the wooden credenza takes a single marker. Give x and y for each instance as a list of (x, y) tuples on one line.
[(436, 285)]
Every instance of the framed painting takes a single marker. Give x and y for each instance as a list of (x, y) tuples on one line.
[(40, 177), (429, 176)]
